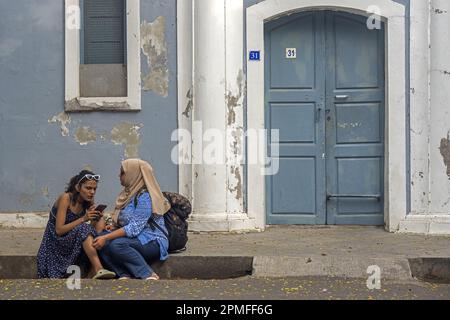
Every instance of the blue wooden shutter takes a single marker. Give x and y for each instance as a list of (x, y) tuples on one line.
[(104, 31)]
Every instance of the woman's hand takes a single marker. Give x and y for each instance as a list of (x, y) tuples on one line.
[(92, 215), (99, 242)]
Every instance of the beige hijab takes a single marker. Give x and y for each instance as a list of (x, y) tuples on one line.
[(139, 173)]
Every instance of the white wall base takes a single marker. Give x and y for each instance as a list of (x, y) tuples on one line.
[(222, 223), (426, 224), (37, 220), (419, 224)]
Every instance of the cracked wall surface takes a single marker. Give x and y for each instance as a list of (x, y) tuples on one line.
[(445, 153), (190, 105), (85, 135), (234, 100), (154, 47), (64, 120), (237, 189), (127, 134)]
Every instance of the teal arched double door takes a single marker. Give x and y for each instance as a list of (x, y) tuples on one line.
[(325, 93)]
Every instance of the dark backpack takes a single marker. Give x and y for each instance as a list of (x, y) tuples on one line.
[(175, 221)]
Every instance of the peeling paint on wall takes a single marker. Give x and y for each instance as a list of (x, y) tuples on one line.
[(126, 133), (75, 106), (349, 125), (234, 100), (85, 135), (64, 120), (237, 141), (445, 152), (190, 103), (238, 188), (439, 11), (154, 46), (104, 136)]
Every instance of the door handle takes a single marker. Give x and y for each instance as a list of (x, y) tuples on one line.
[(341, 96)]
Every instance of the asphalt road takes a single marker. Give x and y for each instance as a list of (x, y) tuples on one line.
[(317, 288)]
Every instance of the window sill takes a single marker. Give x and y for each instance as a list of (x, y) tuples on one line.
[(102, 104)]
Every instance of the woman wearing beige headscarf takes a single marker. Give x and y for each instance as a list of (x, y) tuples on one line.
[(131, 245)]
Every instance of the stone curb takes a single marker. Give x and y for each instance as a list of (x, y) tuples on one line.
[(223, 267)]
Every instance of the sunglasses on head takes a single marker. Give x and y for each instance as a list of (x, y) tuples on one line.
[(89, 176)]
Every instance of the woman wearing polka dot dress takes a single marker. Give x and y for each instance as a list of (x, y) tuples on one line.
[(68, 238)]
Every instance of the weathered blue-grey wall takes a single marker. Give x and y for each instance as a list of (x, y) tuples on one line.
[(36, 159)]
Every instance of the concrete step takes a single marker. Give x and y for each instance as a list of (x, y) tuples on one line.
[(225, 267), (331, 266), (176, 267)]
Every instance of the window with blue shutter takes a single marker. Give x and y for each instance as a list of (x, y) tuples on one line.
[(103, 66), (104, 31)]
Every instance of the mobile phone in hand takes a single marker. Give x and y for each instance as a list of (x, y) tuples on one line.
[(101, 207)]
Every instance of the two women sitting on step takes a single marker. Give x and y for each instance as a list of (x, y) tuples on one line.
[(77, 234)]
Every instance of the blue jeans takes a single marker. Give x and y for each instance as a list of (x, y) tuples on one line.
[(127, 257)]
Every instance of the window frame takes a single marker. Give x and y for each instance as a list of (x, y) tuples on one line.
[(132, 102)]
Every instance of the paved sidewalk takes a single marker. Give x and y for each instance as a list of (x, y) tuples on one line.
[(281, 251), (253, 288)]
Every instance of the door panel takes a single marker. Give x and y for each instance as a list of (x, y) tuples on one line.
[(295, 187), (293, 73), (295, 97), (356, 52), (289, 131), (354, 121), (361, 171)]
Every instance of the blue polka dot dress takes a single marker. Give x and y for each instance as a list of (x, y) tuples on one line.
[(57, 253)]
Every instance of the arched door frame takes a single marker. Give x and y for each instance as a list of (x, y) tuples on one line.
[(394, 15)]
